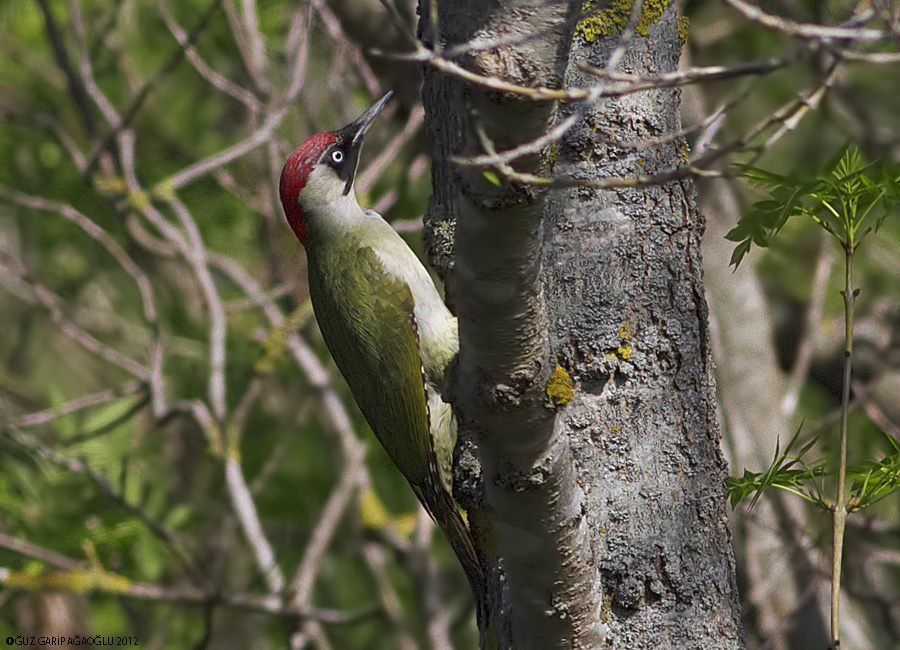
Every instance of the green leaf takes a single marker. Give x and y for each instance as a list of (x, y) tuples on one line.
[(873, 481), (491, 177), (739, 252), (781, 474), (763, 179)]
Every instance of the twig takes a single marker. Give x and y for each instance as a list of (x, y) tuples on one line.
[(244, 48), (174, 59), (77, 404), (626, 36), (98, 234), (374, 557), (840, 502), (254, 36), (218, 325), (352, 479), (333, 27), (44, 122), (241, 500), (690, 76), (786, 118), (214, 78), (37, 552), (299, 54), (436, 615), (186, 595), (275, 293), (814, 32), (211, 163), (529, 148), (352, 450), (245, 509), (87, 340), (76, 86)]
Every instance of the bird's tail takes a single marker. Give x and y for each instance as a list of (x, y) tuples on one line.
[(461, 540), (444, 511), (457, 531)]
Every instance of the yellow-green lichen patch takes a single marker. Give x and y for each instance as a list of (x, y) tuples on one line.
[(683, 23), (560, 388), (624, 350), (613, 19)]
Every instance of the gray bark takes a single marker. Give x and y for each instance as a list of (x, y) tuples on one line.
[(528, 514), (602, 522)]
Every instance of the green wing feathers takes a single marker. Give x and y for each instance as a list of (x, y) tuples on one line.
[(367, 319), (364, 316)]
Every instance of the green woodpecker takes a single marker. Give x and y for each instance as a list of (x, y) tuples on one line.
[(383, 320)]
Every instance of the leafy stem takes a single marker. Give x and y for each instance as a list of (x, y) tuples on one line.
[(840, 199), (840, 502)]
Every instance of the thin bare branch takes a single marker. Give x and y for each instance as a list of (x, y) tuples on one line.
[(376, 561), (37, 552), (244, 507), (353, 478), (207, 165), (691, 75), (298, 51), (214, 78), (352, 472), (527, 149), (786, 119), (181, 595), (45, 122), (255, 42), (76, 84), (218, 324), (78, 404), (95, 232), (814, 32), (333, 27), (436, 615), (88, 341), (87, 71), (244, 48), (164, 70)]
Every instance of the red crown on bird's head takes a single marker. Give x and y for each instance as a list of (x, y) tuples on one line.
[(295, 174)]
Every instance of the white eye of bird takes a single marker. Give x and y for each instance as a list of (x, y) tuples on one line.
[(337, 156)]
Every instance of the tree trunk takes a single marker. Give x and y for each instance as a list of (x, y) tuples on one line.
[(600, 515)]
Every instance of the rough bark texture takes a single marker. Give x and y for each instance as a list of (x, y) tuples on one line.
[(527, 510), (602, 523), (624, 285)]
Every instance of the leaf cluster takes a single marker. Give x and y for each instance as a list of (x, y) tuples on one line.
[(848, 198), (870, 482)]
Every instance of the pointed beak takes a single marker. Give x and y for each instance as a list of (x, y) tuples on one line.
[(355, 132)]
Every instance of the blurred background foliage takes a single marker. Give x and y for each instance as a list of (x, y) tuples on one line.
[(113, 461)]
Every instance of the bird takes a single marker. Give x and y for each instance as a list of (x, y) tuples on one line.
[(383, 320)]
